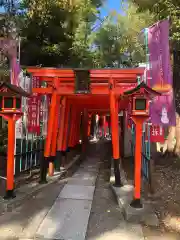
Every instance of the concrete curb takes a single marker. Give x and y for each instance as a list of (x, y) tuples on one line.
[(27, 191), (124, 196)]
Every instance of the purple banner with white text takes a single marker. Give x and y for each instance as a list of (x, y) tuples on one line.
[(162, 107)]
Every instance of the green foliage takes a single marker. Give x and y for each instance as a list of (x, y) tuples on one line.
[(8, 19), (57, 33), (119, 35), (86, 14), (62, 33), (107, 42), (46, 33), (133, 23), (164, 9)]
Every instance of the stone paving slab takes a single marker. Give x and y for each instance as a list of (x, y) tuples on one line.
[(91, 169), (89, 166), (83, 182), (84, 175), (77, 192), (69, 216), (67, 220), (90, 163)]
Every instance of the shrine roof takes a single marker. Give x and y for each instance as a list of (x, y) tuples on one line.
[(18, 91), (142, 85)]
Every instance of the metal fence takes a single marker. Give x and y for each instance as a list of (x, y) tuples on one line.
[(146, 151), (28, 153)]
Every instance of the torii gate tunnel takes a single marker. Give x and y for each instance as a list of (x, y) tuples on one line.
[(76, 92)]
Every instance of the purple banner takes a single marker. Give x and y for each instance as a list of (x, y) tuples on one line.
[(162, 107)]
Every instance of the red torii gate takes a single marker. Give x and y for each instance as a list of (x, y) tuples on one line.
[(105, 88)]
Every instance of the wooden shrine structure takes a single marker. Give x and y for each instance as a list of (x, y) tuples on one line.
[(75, 95), (84, 91)]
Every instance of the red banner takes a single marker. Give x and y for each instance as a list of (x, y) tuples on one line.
[(157, 134), (34, 109)]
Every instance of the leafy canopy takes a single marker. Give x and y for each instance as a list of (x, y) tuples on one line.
[(163, 9), (64, 33)]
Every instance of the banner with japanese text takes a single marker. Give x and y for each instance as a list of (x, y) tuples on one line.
[(162, 108), (157, 134), (34, 109)]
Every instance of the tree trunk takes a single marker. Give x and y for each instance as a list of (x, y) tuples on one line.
[(177, 134), (170, 139)]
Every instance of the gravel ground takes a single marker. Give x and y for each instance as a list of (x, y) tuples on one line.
[(166, 198)]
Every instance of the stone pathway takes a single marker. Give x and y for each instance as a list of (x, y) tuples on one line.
[(68, 217)]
